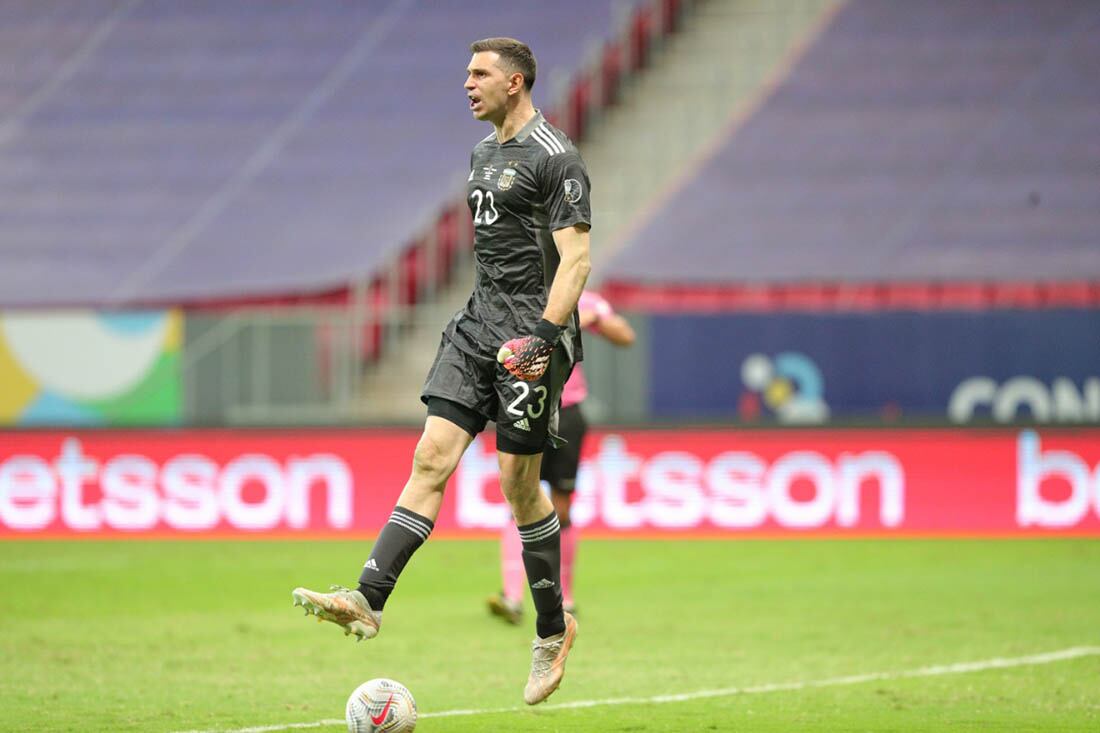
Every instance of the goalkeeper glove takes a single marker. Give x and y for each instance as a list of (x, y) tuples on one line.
[(527, 357)]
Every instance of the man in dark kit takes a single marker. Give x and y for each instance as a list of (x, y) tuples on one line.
[(504, 357)]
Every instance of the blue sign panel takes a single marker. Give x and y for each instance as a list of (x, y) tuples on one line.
[(1003, 365)]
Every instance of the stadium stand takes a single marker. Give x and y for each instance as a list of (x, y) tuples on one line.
[(919, 154), (157, 152)]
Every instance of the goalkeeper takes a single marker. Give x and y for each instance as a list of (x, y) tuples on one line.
[(504, 357)]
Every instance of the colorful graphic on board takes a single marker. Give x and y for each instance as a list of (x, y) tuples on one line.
[(80, 367)]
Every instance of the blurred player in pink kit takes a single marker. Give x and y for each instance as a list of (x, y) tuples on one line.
[(559, 469)]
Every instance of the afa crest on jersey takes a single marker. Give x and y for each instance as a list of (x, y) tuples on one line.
[(506, 179)]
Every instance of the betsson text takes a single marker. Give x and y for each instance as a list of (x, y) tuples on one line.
[(676, 489), (186, 492)]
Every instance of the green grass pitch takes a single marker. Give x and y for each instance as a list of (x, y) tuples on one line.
[(184, 636)]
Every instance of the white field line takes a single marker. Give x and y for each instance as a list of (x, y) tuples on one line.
[(933, 671)]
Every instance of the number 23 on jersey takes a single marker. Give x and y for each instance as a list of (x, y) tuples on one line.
[(486, 212)]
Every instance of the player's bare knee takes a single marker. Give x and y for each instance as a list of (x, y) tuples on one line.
[(526, 499), (431, 461), (525, 507), (513, 492)]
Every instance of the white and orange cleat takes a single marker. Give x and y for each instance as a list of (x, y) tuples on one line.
[(548, 662), (344, 607)]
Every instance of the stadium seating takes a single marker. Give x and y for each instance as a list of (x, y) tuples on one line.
[(918, 153), (178, 152)]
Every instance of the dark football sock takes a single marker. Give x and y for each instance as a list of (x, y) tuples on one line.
[(542, 560), (398, 540)]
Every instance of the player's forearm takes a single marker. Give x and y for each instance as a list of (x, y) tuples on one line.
[(617, 330), (569, 281)]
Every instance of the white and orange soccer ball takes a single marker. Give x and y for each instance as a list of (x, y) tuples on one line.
[(381, 705)]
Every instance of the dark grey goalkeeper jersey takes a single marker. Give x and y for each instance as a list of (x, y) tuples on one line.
[(519, 192)]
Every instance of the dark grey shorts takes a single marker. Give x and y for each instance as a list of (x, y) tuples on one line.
[(559, 465), (525, 413)]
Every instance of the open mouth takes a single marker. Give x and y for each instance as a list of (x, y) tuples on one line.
[(474, 101)]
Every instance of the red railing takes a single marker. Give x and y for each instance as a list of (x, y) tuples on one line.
[(920, 296)]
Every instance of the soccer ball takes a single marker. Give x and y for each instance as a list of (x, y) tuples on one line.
[(381, 705)]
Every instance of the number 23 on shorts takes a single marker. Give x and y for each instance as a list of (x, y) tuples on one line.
[(536, 405)]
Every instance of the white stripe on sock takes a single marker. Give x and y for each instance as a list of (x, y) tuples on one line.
[(415, 519), (537, 534), (409, 522), (427, 525), (416, 529)]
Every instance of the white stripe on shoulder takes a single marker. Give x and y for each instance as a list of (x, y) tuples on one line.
[(546, 139), (552, 136), (544, 143)]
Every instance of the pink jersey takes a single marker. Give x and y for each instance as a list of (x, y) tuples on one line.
[(576, 389)]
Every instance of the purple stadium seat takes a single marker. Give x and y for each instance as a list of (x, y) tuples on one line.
[(915, 141), (165, 151)]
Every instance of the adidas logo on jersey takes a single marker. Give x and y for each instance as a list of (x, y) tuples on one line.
[(542, 584), (372, 565), (522, 425)]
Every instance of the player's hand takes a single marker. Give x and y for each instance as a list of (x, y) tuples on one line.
[(527, 357), (588, 317)]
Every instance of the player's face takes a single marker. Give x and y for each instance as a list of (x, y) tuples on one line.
[(486, 86)]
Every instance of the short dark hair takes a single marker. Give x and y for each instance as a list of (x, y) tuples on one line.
[(515, 55)]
